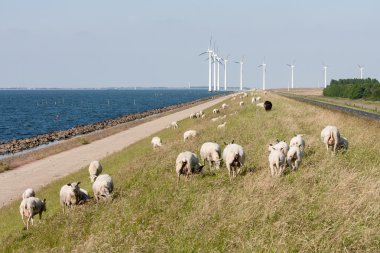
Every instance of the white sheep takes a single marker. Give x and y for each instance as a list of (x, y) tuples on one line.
[(174, 124), (253, 100), (186, 164), (276, 161), (211, 152), (188, 134), (215, 119), (31, 206), (297, 140), (192, 116), (69, 195), (103, 187), (258, 99), (234, 157), (281, 146), (156, 142), (28, 193), (94, 169), (241, 103), (215, 111), (294, 157), (260, 105), (224, 106), (197, 115), (203, 115), (222, 126), (331, 137)]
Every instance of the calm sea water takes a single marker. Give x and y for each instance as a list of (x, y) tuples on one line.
[(26, 113)]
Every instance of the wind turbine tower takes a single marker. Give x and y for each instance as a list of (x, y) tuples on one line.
[(325, 68), (264, 66), (209, 52), (225, 73), (218, 80), (292, 68), (241, 62), (361, 67)]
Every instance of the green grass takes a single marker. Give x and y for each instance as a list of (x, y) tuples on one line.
[(332, 203)]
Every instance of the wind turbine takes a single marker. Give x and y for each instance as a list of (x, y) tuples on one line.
[(241, 62), (225, 72), (264, 66), (292, 68), (325, 68), (361, 67), (209, 52), (218, 62)]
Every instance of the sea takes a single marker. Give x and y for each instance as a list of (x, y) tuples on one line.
[(27, 113)]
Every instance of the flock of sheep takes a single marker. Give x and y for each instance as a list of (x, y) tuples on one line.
[(187, 163)]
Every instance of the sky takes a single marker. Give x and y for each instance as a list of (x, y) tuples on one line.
[(94, 43)]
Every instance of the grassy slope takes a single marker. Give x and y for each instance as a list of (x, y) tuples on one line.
[(331, 203)]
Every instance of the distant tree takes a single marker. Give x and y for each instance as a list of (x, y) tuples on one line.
[(354, 89)]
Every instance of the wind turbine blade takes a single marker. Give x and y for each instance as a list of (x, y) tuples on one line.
[(202, 53)]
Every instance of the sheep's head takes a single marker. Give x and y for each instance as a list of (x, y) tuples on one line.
[(75, 187), (44, 205), (93, 178), (198, 169), (217, 163)]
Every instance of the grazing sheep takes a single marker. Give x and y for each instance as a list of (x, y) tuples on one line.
[(69, 195), (281, 146), (203, 116), (28, 193), (234, 157), (265, 93), (30, 207), (331, 137), (156, 142), (215, 111), (188, 134), (276, 161), (294, 157), (241, 103), (94, 169), (222, 126), (298, 141), (258, 99), (174, 124), (253, 100), (187, 163), (83, 196), (224, 106), (211, 152), (192, 116), (197, 115), (103, 187), (268, 105), (245, 94), (215, 119), (260, 105)]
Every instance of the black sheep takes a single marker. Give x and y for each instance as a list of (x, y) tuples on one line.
[(268, 105)]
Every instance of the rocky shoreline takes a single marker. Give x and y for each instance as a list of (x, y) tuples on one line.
[(19, 145)]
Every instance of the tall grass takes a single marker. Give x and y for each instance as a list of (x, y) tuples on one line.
[(332, 203)]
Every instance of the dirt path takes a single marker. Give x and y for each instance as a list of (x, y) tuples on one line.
[(40, 173)]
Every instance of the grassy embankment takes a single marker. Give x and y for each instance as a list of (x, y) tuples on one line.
[(331, 204)]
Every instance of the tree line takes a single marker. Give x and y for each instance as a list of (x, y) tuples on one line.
[(354, 88)]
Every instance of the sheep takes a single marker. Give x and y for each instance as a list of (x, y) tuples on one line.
[(211, 152), (268, 105), (174, 124), (276, 161), (103, 187), (95, 169), (224, 106), (31, 206), (297, 140), (215, 111), (197, 115), (222, 126), (203, 116), (241, 103), (28, 193), (294, 157), (156, 142), (234, 157), (233, 98), (258, 99), (215, 119), (69, 195), (343, 143), (223, 117), (331, 137), (260, 105), (245, 94), (187, 163), (192, 116), (188, 134), (253, 100), (265, 93), (281, 146)]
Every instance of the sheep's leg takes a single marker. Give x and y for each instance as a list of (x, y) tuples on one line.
[(22, 217), (229, 172), (271, 169)]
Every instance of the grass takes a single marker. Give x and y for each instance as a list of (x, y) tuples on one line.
[(332, 203), (4, 167), (83, 141)]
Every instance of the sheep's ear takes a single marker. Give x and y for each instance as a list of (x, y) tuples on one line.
[(299, 145), (232, 142), (271, 145), (277, 140), (78, 183), (69, 184), (44, 201)]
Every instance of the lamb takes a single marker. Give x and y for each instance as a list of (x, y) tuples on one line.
[(95, 169), (103, 187), (343, 143), (281, 146), (211, 152), (298, 141), (241, 103), (156, 142), (294, 157), (222, 126), (268, 105), (174, 124), (260, 105), (28, 193), (224, 106), (83, 196), (234, 157), (187, 163), (215, 111), (188, 134), (69, 195), (31, 206), (331, 137), (276, 161)]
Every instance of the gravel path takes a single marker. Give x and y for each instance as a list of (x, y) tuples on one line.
[(40, 173)]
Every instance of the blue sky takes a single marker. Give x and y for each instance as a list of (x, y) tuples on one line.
[(92, 43)]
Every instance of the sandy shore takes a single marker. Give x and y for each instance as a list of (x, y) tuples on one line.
[(40, 173)]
